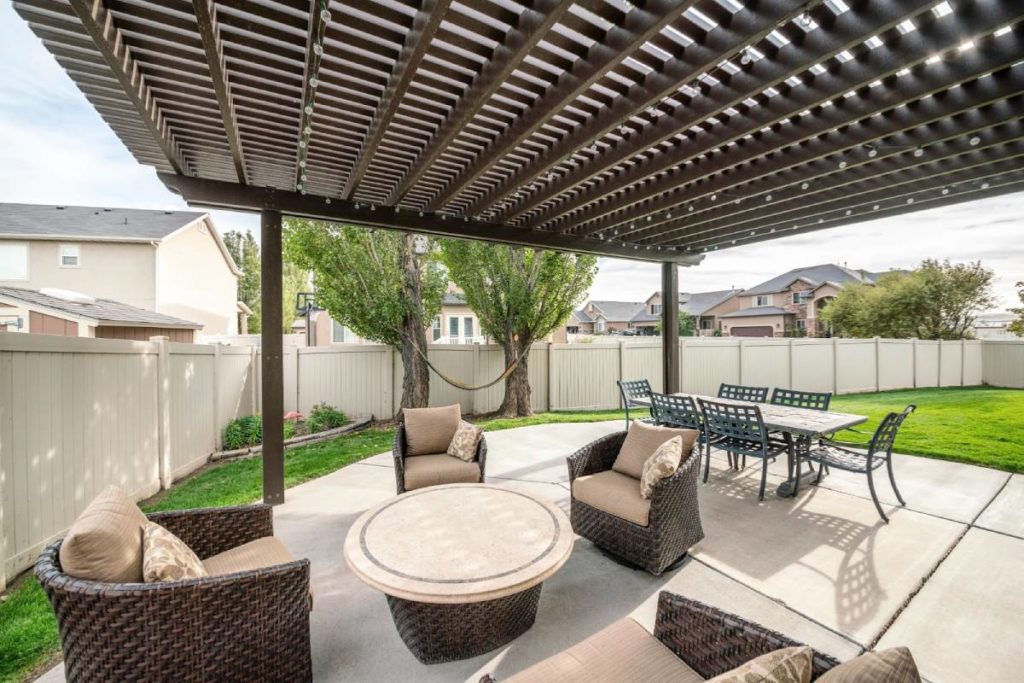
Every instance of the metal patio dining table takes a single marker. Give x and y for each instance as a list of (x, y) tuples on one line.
[(803, 424)]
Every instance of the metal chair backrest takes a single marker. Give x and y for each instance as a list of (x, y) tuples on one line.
[(885, 435), (739, 392), (812, 400), (632, 389), (676, 411), (741, 427)]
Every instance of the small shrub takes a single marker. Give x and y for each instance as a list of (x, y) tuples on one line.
[(324, 417), (242, 432), (289, 429)]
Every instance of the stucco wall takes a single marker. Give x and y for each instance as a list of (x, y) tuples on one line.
[(195, 282)]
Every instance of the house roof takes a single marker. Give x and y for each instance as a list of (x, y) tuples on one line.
[(95, 311), (813, 275), (697, 303), (618, 311), (454, 299), (581, 316), (756, 311), (44, 221)]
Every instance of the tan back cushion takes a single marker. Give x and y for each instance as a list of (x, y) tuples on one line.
[(165, 557), (467, 438), (641, 442), (105, 542), (430, 430), (895, 665), (789, 665)]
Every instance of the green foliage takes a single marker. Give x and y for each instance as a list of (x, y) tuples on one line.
[(359, 276), (324, 417), (294, 279), (518, 292), (935, 301), (243, 431), (246, 254), (1017, 326), (687, 327)]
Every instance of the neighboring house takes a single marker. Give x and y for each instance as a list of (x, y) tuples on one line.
[(608, 316), (993, 325), (703, 307), (72, 314), (169, 262), (790, 303), (579, 323)]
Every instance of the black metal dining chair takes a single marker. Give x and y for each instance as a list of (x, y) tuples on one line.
[(840, 455), (631, 390), (740, 392), (812, 400), (740, 431), (682, 412)]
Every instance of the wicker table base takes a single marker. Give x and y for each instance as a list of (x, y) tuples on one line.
[(438, 633)]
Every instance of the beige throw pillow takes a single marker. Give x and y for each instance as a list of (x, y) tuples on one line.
[(895, 665), (428, 431), (641, 442), (789, 665), (661, 465), (105, 542), (465, 441), (165, 557)]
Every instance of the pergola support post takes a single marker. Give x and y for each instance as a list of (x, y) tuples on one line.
[(670, 327), (272, 375)]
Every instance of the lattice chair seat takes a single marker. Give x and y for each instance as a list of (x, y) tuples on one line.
[(843, 458)]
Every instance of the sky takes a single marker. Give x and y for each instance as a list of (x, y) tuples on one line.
[(55, 149)]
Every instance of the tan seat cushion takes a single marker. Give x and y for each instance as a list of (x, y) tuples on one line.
[(430, 430), (619, 653), (788, 665), (165, 557), (439, 468), (614, 493), (895, 665), (661, 465), (105, 542), (467, 438), (263, 552), (641, 442)]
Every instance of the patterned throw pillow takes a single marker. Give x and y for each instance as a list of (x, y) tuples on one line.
[(895, 665), (662, 464), (789, 665), (465, 441), (165, 557)]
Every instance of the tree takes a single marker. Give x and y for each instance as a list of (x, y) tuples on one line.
[(687, 327), (1017, 326), (246, 254), (294, 279), (935, 301), (520, 295), (373, 282)]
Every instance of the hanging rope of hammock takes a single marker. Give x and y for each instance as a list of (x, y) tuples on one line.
[(466, 387)]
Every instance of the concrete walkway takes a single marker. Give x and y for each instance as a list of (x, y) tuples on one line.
[(944, 577)]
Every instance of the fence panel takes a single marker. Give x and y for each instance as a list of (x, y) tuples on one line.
[(950, 360), (973, 363), (235, 384), (708, 363), (1003, 363), (855, 366), (926, 368), (765, 363), (352, 379), (585, 376), (895, 363), (193, 433), (813, 365), (642, 360)]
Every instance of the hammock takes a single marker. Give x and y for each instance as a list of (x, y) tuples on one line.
[(465, 387)]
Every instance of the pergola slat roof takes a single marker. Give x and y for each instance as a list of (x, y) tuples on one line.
[(657, 129)]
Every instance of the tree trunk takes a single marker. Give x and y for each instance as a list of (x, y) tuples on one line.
[(517, 385), (416, 380)]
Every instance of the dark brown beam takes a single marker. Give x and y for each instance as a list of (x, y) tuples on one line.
[(417, 42), (210, 36), (225, 195), (271, 348), (108, 42), (912, 49), (533, 25), (670, 327)]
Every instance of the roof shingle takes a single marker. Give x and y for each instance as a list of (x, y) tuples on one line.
[(91, 222), (105, 311)]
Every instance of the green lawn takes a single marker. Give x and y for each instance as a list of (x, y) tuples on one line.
[(977, 425)]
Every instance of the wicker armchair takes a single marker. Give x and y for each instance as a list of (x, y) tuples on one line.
[(674, 521), (247, 626), (400, 452)]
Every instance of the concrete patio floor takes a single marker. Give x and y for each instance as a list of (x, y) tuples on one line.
[(943, 577)]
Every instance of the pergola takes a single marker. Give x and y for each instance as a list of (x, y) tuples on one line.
[(657, 130)]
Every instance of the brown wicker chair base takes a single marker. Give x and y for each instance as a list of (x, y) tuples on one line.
[(444, 633)]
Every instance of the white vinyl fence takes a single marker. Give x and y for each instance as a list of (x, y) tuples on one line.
[(78, 414)]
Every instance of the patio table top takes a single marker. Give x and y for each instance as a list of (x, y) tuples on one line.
[(802, 421)]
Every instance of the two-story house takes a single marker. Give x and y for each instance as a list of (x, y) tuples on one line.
[(169, 262), (790, 303)]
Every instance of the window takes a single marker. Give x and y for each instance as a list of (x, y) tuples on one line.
[(69, 256), (801, 297), (599, 325), (339, 333), (707, 323), (801, 324), (467, 327), (764, 300), (655, 309), (437, 328), (453, 327), (13, 261)]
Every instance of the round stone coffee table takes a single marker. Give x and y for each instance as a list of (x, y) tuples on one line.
[(461, 565)]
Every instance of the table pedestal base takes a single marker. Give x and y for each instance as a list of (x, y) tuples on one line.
[(443, 633)]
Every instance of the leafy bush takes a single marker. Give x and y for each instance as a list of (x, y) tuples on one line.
[(290, 427), (242, 432), (324, 417)]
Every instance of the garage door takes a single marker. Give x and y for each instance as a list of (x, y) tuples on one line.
[(752, 331)]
